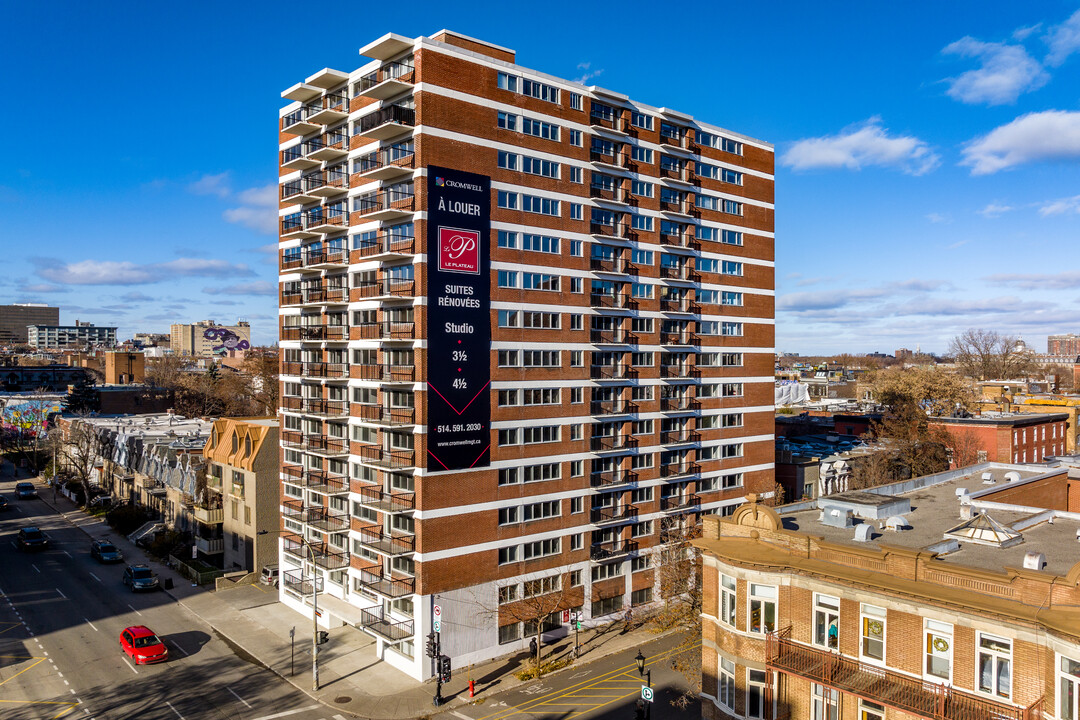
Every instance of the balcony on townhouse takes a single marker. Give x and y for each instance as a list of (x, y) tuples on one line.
[(378, 622), (910, 695), (208, 515), (390, 80), (386, 123)]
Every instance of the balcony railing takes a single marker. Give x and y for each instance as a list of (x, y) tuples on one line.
[(678, 338), (611, 478), (682, 372), (394, 114), (615, 229), (680, 273), (323, 555), (315, 332), (385, 415), (678, 404), (402, 73), (612, 372), (611, 337), (326, 256), (611, 265), (388, 543), (621, 301), (386, 244), (612, 407), (384, 202), (325, 481), (326, 408), (384, 373), (676, 437), (209, 516), (673, 470), (386, 500), (680, 240), (325, 369), (387, 585), (210, 546), (601, 515), (383, 457), (295, 582), (325, 519), (908, 694), (612, 549), (387, 330), (388, 629), (604, 443), (679, 502), (390, 162), (605, 119)]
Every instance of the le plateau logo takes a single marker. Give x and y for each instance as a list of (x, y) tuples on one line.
[(459, 251)]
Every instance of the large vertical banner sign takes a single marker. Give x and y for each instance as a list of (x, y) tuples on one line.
[(459, 319)]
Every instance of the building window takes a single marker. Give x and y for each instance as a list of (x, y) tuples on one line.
[(825, 702), (508, 554), (873, 632), (576, 212), (575, 138), (509, 633), (762, 608), (607, 605), (827, 621), (939, 650), (871, 710), (995, 662), (755, 695), (728, 595), (575, 175), (575, 101), (641, 597), (726, 690), (1068, 689)]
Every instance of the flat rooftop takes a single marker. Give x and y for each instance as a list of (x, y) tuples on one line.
[(940, 503)]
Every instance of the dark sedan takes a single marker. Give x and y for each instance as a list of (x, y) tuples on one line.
[(105, 552), (25, 490), (31, 538)]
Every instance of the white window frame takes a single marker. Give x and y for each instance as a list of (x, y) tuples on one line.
[(870, 614), (996, 658), (756, 596), (934, 632), (729, 596), (1070, 676), (826, 617)]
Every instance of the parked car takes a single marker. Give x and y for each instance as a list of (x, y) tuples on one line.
[(32, 538), (105, 552), (269, 575), (140, 577), (25, 490), (142, 645), (4, 505)]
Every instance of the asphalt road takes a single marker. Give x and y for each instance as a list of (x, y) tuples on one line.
[(603, 690), (61, 613)]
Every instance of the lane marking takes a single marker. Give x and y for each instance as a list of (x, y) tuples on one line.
[(182, 650), (463, 716), (95, 577), (174, 710), (39, 661), (288, 712), (61, 593), (35, 567), (238, 697), (133, 608), (91, 624), (130, 666), (66, 553)]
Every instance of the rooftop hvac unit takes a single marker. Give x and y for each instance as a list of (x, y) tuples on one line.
[(1034, 560)]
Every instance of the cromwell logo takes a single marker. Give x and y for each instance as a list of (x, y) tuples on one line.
[(459, 250)]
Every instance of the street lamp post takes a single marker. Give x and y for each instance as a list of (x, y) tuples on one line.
[(314, 609), (642, 672)]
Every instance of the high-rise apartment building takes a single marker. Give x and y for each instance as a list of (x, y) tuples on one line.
[(14, 320), (1063, 345), (527, 335), (79, 335)]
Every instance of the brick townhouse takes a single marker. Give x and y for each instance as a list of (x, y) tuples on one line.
[(526, 332), (951, 596)]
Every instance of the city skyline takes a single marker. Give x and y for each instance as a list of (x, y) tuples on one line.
[(970, 123)]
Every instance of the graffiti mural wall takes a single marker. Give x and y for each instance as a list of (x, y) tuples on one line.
[(224, 340)]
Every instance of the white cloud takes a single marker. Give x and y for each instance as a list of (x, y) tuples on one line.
[(1063, 40), (994, 210), (108, 272), (867, 144), (44, 288), (1007, 71), (1068, 280), (938, 218), (586, 74), (1049, 135), (258, 209), (957, 244), (1023, 33), (1061, 206), (211, 185), (259, 287)]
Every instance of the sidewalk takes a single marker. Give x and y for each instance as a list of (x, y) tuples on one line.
[(352, 679)]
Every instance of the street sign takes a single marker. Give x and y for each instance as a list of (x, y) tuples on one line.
[(646, 693), (578, 624), (437, 612), (437, 625), (566, 616)]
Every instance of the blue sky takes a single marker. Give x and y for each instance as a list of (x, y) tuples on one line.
[(928, 174)]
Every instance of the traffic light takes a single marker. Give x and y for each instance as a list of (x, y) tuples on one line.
[(444, 668), (432, 649), (322, 637)]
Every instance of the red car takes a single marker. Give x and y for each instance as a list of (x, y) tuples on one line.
[(143, 646)]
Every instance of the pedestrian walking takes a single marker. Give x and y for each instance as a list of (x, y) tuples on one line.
[(532, 647), (627, 619)]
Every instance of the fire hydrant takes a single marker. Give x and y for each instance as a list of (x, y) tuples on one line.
[(472, 688)]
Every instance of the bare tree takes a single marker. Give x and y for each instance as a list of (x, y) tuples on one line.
[(989, 355), (81, 450), (965, 446), (679, 573), (261, 368), (533, 603)]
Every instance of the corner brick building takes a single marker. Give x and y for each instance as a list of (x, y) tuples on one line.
[(951, 597), (1018, 437), (526, 332)]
